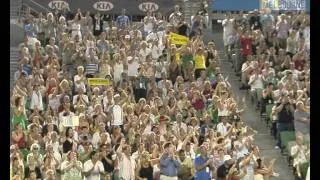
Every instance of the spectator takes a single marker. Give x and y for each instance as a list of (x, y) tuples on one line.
[(123, 20)]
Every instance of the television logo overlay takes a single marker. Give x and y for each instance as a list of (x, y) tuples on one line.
[(103, 6), (296, 5), (57, 5), (148, 6)]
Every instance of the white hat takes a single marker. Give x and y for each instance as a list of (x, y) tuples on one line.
[(34, 145), (116, 95), (127, 36), (227, 158)]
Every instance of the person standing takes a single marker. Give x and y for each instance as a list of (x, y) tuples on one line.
[(149, 23), (126, 164), (169, 163), (175, 17), (93, 168), (141, 84), (76, 27), (283, 30), (203, 165), (123, 20), (228, 31), (117, 112), (285, 117), (97, 25)]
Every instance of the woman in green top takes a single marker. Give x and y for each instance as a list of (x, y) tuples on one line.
[(19, 113)]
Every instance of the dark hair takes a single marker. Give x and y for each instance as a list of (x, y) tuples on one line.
[(167, 145), (16, 101), (181, 151), (67, 131), (259, 163), (92, 154)]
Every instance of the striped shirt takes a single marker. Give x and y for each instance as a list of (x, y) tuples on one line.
[(92, 69)]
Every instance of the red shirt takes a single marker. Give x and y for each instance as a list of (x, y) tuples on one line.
[(299, 65), (246, 44)]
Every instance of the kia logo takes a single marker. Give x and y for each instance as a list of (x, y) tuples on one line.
[(148, 6), (103, 6), (59, 5)]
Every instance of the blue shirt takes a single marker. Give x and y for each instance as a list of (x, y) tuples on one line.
[(29, 30), (204, 174), (168, 166), (122, 21)]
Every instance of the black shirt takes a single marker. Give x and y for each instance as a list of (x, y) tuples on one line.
[(222, 172), (285, 115), (107, 167), (182, 30), (67, 146), (141, 82), (146, 172), (37, 170)]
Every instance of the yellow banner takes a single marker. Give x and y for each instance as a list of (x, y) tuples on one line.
[(178, 39), (98, 81)]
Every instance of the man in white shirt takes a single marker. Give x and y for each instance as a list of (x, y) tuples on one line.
[(107, 100), (96, 136), (174, 17), (256, 83), (223, 126), (144, 51), (80, 98), (126, 162), (149, 22), (228, 29), (117, 112), (133, 66), (36, 99), (161, 83), (93, 168)]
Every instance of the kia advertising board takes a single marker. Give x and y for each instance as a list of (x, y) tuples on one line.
[(133, 7)]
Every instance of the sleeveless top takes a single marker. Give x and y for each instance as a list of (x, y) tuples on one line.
[(146, 172)]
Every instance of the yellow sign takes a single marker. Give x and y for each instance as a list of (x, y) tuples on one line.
[(98, 81), (178, 39)]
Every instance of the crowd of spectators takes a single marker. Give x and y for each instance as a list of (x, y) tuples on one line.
[(168, 113), (271, 54)]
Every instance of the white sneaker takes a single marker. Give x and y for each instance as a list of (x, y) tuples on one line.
[(277, 147), (274, 174)]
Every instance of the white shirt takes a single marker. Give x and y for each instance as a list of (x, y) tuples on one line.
[(54, 102), (75, 99), (36, 101), (228, 30), (256, 83), (143, 54), (126, 167), (117, 112), (95, 174), (148, 27), (96, 139), (155, 52), (117, 71), (76, 30), (223, 128), (133, 68), (80, 85)]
